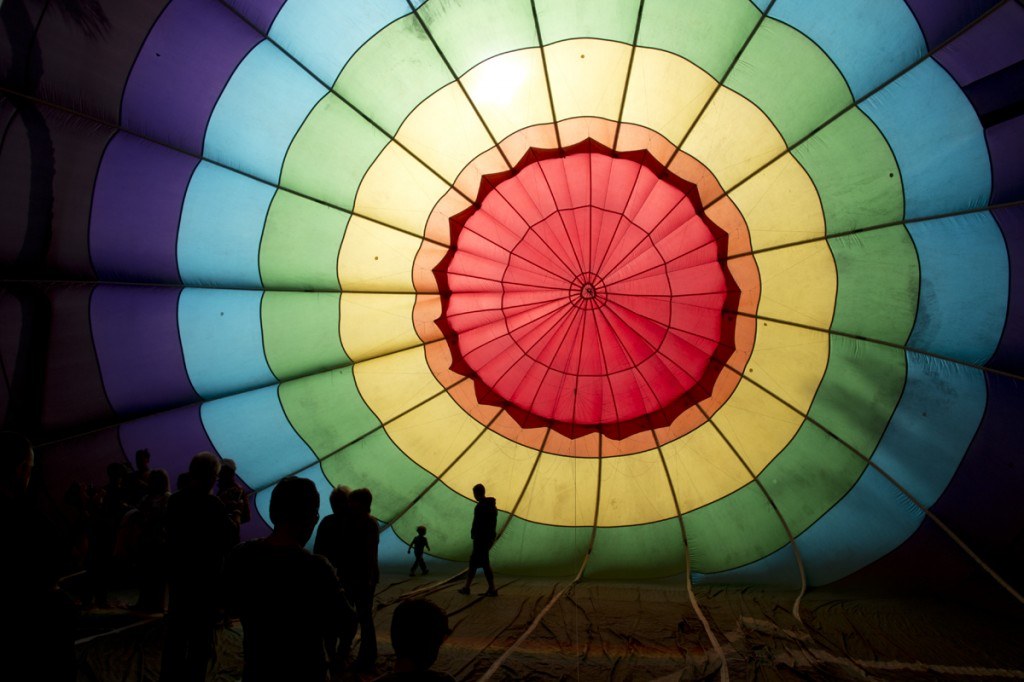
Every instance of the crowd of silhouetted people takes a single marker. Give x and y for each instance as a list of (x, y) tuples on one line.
[(300, 611)]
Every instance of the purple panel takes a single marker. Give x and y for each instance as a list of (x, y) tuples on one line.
[(981, 505), (181, 71), (81, 54), (136, 335), (993, 45), (136, 208), (940, 19), (982, 502), (73, 398), (1006, 149), (171, 437), (1009, 355), (260, 12)]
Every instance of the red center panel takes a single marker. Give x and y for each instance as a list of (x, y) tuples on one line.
[(586, 290)]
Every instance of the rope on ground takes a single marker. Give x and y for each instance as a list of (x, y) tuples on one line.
[(533, 626)]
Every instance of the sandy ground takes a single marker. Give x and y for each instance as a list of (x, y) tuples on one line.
[(622, 631)]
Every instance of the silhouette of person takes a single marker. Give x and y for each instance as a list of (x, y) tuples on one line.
[(136, 482), (231, 493), (360, 574), (199, 534), (111, 505), (418, 544), (38, 619), (289, 600), (483, 532), (152, 548), (418, 629), (332, 544)]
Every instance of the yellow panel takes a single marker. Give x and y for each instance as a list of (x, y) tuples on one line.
[(445, 132), (562, 492), (703, 468), (374, 257), (502, 465), (788, 362), (634, 490), (510, 91), (756, 424), (780, 205), (373, 325), (666, 93), (587, 77), (416, 433), (394, 383), (798, 284), (398, 190), (733, 139)]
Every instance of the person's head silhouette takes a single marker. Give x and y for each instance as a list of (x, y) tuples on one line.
[(294, 509), (418, 628)]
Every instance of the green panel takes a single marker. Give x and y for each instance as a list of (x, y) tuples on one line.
[(855, 173), (790, 79), (652, 550), (859, 392), (375, 462), (527, 548), (606, 19), (331, 152), (708, 33), (879, 279), (327, 411), (390, 75), (448, 517), (462, 29), (737, 529), (300, 244), (300, 332), (809, 476)]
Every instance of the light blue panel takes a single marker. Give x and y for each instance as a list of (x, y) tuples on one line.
[(937, 140), (257, 115), (323, 486), (222, 340), (323, 34), (761, 4), (221, 226), (252, 429), (868, 41), (929, 433), (965, 275)]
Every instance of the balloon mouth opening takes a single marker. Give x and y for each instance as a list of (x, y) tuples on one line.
[(586, 290)]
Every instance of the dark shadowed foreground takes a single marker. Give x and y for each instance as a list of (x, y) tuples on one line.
[(538, 630)]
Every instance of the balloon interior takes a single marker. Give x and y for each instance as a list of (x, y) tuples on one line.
[(704, 293)]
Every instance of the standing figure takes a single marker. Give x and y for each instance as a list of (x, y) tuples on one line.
[(38, 619), (288, 599), (199, 534), (332, 544), (234, 497), (360, 575), (483, 532), (418, 544)]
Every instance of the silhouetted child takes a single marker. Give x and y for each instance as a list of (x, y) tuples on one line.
[(418, 544)]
